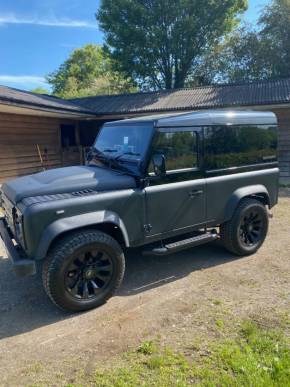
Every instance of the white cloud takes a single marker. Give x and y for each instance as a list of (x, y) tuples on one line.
[(22, 79), (24, 82), (49, 22)]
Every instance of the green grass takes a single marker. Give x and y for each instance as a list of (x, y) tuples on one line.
[(257, 357)]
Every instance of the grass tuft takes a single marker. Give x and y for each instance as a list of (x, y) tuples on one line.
[(147, 348)]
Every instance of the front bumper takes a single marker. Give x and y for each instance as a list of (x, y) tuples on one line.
[(22, 266)]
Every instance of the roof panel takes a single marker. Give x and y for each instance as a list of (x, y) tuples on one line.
[(203, 118)]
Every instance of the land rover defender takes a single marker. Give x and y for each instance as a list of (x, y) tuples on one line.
[(164, 182)]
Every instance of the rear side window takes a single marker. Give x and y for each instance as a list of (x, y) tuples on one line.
[(235, 146), (179, 149)]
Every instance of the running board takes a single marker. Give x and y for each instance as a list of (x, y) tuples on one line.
[(183, 244)]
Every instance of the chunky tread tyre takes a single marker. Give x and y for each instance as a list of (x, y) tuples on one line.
[(230, 230), (54, 267)]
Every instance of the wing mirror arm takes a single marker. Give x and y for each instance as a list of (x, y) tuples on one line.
[(159, 166)]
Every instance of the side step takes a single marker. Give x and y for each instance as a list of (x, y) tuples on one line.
[(183, 244)]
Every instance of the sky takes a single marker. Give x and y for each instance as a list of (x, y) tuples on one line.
[(36, 36)]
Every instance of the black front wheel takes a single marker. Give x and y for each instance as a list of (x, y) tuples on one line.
[(83, 270), (246, 231)]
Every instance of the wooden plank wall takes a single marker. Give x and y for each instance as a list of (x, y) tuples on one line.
[(284, 141), (19, 136)]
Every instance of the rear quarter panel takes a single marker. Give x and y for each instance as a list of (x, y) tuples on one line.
[(226, 190)]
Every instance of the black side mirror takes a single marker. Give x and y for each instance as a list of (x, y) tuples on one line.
[(158, 161)]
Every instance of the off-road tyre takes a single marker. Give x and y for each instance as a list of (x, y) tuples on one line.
[(68, 253), (246, 231)]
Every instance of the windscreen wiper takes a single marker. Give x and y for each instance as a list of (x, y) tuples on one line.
[(109, 150), (110, 161), (95, 153), (126, 154)]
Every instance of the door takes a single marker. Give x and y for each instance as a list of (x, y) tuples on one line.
[(71, 150), (176, 202)]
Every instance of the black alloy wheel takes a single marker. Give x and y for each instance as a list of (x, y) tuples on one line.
[(251, 227), (83, 270), (246, 231), (88, 274)]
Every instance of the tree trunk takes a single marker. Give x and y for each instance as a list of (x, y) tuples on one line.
[(179, 81)]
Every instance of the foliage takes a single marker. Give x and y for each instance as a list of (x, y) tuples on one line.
[(88, 71), (160, 43), (40, 90), (256, 53), (275, 21)]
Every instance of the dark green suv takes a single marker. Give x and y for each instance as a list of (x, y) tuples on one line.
[(165, 182)]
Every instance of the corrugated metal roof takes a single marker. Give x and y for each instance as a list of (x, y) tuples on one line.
[(215, 96), (17, 97)]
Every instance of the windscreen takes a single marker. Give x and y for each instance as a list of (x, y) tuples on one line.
[(127, 143), (123, 147)]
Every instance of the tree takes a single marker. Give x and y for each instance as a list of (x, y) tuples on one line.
[(40, 90), (256, 53), (159, 42), (239, 57), (88, 71), (275, 33)]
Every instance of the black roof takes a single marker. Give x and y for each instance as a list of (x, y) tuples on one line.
[(204, 97), (23, 98)]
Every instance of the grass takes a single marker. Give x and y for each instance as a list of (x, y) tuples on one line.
[(256, 357)]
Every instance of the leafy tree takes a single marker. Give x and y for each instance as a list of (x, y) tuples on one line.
[(275, 33), (88, 71), (159, 42), (239, 57), (40, 90), (256, 53)]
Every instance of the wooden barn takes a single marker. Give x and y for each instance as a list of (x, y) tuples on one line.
[(40, 131), (37, 132)]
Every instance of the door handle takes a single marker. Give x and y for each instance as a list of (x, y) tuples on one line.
[(195, 193)]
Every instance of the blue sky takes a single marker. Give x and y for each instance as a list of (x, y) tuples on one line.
[(36, 36)]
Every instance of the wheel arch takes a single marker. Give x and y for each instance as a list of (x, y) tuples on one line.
[(106, 221), (258, 192)]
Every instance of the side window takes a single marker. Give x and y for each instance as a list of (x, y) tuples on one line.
[(179, 150), (235, 146)]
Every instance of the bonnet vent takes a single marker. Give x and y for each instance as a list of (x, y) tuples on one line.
[(84, 192)]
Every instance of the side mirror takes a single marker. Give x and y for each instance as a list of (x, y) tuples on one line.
[(158, 161)]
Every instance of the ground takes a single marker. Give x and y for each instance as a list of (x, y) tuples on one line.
[(179, 300)]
